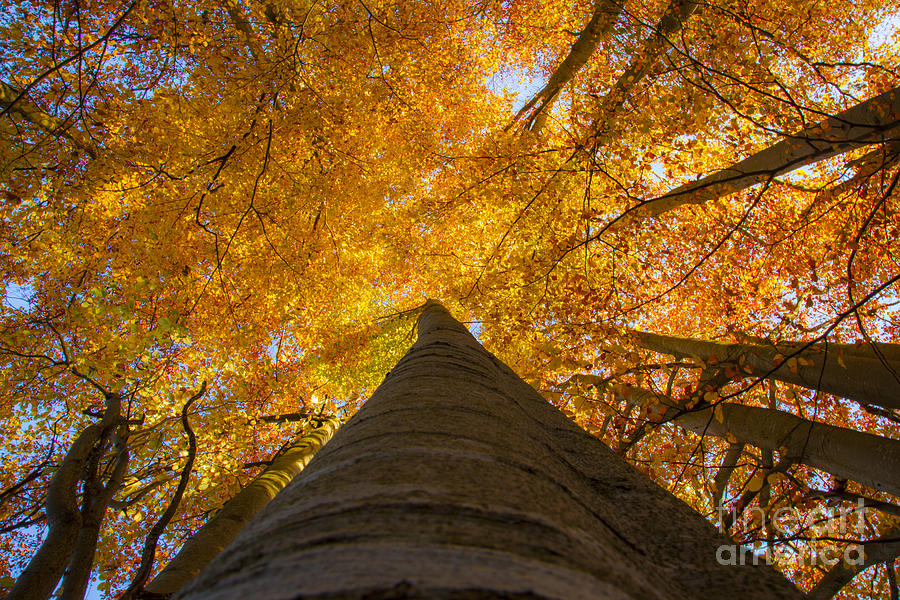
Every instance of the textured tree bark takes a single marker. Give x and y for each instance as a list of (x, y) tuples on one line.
[(866, 123), (866, 373), (869, 459), (456, 480), (216, 533)]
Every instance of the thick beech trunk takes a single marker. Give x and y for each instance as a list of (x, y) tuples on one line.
[(869, 459), (218, 532), (866, 373), (457, 480), (866, 123)]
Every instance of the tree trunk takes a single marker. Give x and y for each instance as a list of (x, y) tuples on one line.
[(605, 15), (65, 534), (656, 45), (865, 123), (726, 470), (866, 373), (216, 533), (456, 480), (94, 505), (64, 521), (869, 459)]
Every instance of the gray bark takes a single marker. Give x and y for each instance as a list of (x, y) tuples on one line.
[(885, 507), (218, 532), (868, 459), (64, 519), (726, 470), (457, 480), (866, 123), (866, 373), (45, 568)]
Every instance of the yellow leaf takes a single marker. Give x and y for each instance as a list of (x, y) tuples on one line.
[(775, 477), (717, 412), (756, 482)]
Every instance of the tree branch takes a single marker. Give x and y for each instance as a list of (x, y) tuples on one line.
[(243, 25), (598, 29), (671, 22), (866, 123), (149, 552), (884, 549)]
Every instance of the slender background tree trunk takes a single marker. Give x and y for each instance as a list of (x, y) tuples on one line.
[(598, 29), (886, 550), (457, 480), (216, 533)]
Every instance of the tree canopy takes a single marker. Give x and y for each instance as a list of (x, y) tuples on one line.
[(219, 216)]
